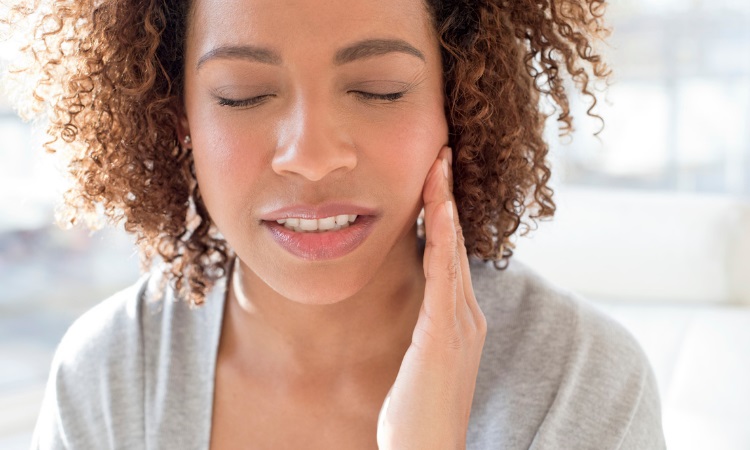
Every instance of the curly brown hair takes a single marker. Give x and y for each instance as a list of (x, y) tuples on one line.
[(108, 76)]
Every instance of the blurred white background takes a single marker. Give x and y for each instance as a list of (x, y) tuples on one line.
[(653, 224)]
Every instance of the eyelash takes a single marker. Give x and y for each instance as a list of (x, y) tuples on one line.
[(246, 103), (250, 102), (392, 97)]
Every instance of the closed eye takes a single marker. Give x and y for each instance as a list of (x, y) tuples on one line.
[(254, 101), (244, 103), (392, 97)]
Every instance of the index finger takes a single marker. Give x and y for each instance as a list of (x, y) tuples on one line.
[(441, 265)]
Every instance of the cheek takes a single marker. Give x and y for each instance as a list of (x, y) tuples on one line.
[(407, 146), (228, 173), (220, 145), (224, 157)]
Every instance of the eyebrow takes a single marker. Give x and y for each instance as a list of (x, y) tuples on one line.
[(249, 52), (359, 50), (374, 47)]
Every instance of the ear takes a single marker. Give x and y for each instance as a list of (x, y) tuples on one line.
[(183, 129)]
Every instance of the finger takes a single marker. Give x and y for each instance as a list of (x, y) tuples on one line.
[(466, 285), (434, 191), (461, 246), (442, 268), (439, 188), (464, 279)]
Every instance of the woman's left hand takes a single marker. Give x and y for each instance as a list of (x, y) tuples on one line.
[(429, 404)]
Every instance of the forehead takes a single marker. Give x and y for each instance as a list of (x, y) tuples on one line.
[(307, 25)]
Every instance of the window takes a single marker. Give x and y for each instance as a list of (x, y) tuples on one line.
[(678, 113)]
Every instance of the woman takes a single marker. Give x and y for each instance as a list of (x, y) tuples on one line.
[(276, 156)]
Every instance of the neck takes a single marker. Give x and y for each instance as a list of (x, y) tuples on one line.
[(372, 328)]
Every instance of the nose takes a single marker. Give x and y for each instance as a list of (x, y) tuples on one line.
[(312, 142)]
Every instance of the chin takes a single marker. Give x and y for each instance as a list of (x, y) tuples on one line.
[(327, 289), (318, 283)]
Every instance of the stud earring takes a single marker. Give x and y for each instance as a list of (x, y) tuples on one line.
[(187, 139), (420, 225)]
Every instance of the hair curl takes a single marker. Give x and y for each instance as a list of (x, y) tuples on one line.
[(108, 76)]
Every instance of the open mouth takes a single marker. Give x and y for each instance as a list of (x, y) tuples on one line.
[(312, 242), (327, 224)]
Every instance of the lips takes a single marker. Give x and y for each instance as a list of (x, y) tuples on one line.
[(325, 245)]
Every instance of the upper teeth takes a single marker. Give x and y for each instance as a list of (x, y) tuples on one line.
[(326, 223)]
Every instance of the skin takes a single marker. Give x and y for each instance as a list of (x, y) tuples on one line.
[(309, 350)]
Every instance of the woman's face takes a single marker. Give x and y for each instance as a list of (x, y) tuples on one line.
[(280, 109)]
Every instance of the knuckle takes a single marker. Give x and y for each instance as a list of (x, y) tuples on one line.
[(456, 343), (461, 242), (459, 228), (481, 323), (452, 268), (460, 235)]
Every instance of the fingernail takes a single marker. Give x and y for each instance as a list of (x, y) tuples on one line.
[(449, 207), (445, 168)]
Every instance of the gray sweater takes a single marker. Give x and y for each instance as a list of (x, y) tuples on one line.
[(137, 372)]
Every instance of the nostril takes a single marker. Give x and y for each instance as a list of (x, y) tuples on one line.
[(314, 157)]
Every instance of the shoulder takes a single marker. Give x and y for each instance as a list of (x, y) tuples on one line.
[(111, 334), (125, 358), (96, 362), (564, 364), (106, 331), (524, 309), (135, 320), (521, 300)]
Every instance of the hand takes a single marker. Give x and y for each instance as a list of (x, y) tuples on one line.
[(429, 404)]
